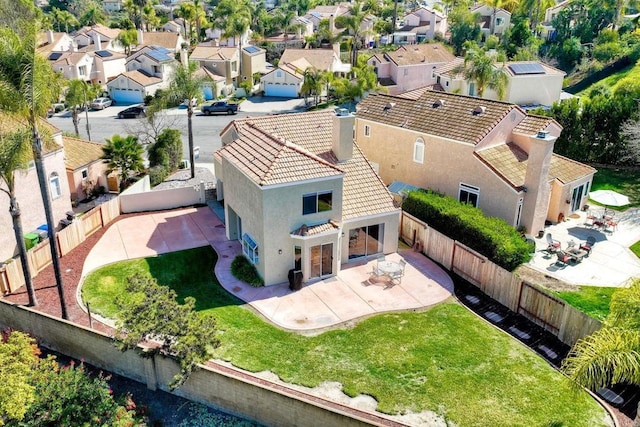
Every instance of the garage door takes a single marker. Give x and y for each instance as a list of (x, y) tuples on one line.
[(208, 93), (284, 91), (126, 96)]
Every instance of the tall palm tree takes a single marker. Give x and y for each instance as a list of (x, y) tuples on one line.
[(80, 93), (233, 17), (481, 69), (186, 84), (187, 12), (352, 24), (312, 84), (612, 354), (123, 155), (27, 87), (15, 153)]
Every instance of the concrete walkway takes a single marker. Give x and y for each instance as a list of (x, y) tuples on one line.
[(611, 262), (322, 304)]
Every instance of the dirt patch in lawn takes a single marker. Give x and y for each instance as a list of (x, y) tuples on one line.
[(536, 277)]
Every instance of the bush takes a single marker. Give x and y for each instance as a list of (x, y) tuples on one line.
[(243, 270), (607, 51), (157, 174), (490, 236)]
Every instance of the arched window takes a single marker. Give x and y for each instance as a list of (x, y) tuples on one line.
[(54, 185), (418, 151)]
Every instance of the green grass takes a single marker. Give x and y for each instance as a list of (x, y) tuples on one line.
[(444, 360), (635, 248), (632, 71), (592, 300), (623, 180)]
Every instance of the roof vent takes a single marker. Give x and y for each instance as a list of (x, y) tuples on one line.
[(389, 106), (405, 123), (341, 112), (542, 134), (480, 109), (438, 103)]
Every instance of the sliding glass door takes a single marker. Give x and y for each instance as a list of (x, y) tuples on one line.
[(365, 241), (322, 260)]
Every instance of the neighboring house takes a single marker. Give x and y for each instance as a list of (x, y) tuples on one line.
[(28, 190), (501, 19), (98, 37), (300, 195), (174, 26), (286, 80), (215, 85), (529, 83), (547, 30), (85, 168), (111, 6), (321, 59), (254, 60), (410, 67), (107, 65), (331, 12), (72, 65), (221, 61), (49, 41), (172, 41), (420, 25), (216, 38), (490, 154), (149, 69)]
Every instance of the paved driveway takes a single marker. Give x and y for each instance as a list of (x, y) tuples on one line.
[(325, 303)]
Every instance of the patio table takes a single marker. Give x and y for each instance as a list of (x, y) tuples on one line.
[(389, 268), (577, 254)]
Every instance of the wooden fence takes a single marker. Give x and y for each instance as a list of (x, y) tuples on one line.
[(39, 257), (535, 303)]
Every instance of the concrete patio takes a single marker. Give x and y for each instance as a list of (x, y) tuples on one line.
[(610, 263), (321, 304)]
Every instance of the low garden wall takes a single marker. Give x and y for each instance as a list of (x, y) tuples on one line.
[(140, 198), (215, 385), (555, 315)]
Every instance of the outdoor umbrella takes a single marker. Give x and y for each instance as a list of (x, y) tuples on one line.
[(609, 198)]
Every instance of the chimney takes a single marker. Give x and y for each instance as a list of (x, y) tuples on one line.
[(536, 181), (342, 135), (336, 49), (97, 41), (227, 72), (140, 36), (432, 25), (184, 57), (50, 36), (332, 24)]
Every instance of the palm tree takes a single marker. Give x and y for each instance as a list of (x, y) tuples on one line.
[(27, 87), (123, 155), (233, 17), (186, 84), (15, 153), (480, 68), (187, 12), (80, 93), (352, 24), (612, 354), (65, 18), (94, 15), (128, 38), (312, 84)]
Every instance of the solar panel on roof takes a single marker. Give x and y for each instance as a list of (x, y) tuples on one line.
[(529, 68), (103, 53), (251, 49), (158, 56), (55, 55)]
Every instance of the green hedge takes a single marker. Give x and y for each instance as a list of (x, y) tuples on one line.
[(243, 270), (490, 236)]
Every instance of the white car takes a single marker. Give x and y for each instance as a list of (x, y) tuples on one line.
[(100, 103)]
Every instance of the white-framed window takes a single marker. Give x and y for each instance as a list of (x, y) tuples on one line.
[(234, 66), (433, 72), (54, 185), (317, 202), (468, 194), (499, 21), (367, 130), (250, 248), (82, 70), (84, 173), (418, 150)]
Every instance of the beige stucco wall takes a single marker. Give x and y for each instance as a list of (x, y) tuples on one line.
[(30, 201), (253, 64), (446, 164), (96, 173)]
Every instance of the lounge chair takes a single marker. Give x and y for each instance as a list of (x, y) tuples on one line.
[(588, 245), (553, 245)]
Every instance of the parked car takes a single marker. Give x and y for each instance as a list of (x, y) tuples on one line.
[(219, 107), (100, 103), (185, 103), (135, 112)]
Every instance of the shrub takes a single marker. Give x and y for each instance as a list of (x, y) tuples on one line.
[(148, 99), (490, 236), (243, 270), (157, 174), (607, 51)]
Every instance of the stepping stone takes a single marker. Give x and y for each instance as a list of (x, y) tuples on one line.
[(550, 353), (494, 316), (610, 396), (472, 299), (519, 333)]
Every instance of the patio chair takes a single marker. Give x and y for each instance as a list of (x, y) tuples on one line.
[(553, 245), (563, 257), (588, 245)]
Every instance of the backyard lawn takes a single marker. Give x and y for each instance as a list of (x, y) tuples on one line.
[(444, 360), (592, 300), (623, 180), (631, 71)]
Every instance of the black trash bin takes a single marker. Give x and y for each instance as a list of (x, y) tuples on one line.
[(290, 277), (295, 279)]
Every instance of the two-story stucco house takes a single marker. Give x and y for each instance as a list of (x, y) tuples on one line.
[(149, 69), (220, 61), (72, 65), (493, 20), (49, 42), (98, 37), (528, 82), (410, 67), (420, 25), (299, 194), (488, 153), (28, 193)]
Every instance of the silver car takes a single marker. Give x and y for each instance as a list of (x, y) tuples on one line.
[(100, 103)]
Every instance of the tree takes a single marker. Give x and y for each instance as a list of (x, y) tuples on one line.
[(480, 68), (187, 11), (93, 15), (630, 133), (156, 121), (123, 155), (312, 84), (463, 27), (352, 24), (128, 38), (64, 18), (18, 357), (167, 150), (28, 85), (233, 17), (186, 84), (80, 93), (610, 355), (150, 312), (15, 154)]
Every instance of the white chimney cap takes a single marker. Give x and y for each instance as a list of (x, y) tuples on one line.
[(341, 112)]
